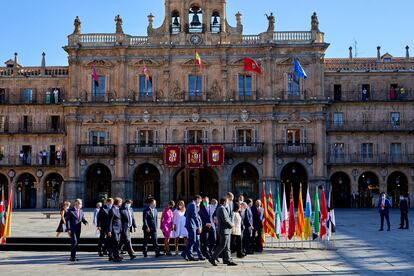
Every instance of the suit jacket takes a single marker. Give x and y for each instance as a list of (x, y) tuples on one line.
[(102, 219), (257, 221), (114, 221), (192, 218), (203, 213), (248, 218), (223, 221), (404, 206), (386, 208), (73, 223), (150, 221), (230, 208), (124, 219)]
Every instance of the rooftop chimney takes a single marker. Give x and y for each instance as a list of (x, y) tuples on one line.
[(16, 59), (350, 53), (43, 60), (378, 53), (407, 52)]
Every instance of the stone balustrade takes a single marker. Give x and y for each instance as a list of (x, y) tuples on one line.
[(54, 71), (367, 65)]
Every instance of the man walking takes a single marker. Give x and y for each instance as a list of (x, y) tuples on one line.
[(150, 222), (384, 210), (225, 226), (114, 230), (128, 223), (404, 212), (248, 227), (74, 219), (194, 227), (102, 226)]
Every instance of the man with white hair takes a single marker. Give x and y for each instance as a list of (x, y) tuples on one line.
[(74, 219)]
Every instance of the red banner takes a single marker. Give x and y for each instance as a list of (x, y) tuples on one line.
[(215, 155), (194, 156), (172, 156)]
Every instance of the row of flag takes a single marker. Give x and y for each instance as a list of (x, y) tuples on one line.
[(5, 217), (250, 65), (278, 223)]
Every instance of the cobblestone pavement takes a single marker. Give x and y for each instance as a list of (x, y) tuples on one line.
[(359, 250)]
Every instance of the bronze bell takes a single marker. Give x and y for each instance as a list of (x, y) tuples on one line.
[(195, 21), (215, 20), (176, 23)]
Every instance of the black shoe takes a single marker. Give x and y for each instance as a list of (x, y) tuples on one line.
[(123, 253), (110, 259), (201, 258), (72, 260), (400, 227), (241, 256), (381, 230), (158, 254), (184, 256), (406, 228), (217, 260), (100, 254), (388, 229), (145, 254), (168, 254), (231, 264), (213, 262), (191, 259), (132, 257)]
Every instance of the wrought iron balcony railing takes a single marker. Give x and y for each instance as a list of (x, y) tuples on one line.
[(30, 128), (32, 159), (295, 149), (370, 159), (96, 150), (372, 95), (370, 126)]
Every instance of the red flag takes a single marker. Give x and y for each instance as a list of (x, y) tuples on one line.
[(95, 76), (264, 205), (251, 65), (291, 231), (324, 214)]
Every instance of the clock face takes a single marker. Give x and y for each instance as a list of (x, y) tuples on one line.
[(195, 39)]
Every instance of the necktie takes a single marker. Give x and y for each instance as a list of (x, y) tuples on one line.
[(78, 213)]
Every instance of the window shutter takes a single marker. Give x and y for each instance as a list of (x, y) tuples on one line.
[(305, 136), (234, 135), (156, 136), (254, 135), (205, 136), (285, 85), (30, 122), (137, 138), (186, 136), (108, 137), (89, 137)]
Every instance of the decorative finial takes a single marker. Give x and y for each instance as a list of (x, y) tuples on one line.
[(118, 20), (16, 59), (407, 52), (43, 59), (77, 23), (314, 22), (378, 53), (350, 53)]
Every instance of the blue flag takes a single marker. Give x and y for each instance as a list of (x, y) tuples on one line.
[(299, 72)]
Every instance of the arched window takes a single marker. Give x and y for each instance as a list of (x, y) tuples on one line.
[(175, 22), (215, 22), (196, 20)]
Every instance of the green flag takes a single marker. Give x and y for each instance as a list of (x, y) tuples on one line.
[(278, 216), (316, 220)]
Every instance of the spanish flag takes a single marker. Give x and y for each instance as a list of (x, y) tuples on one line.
[(199, 62), (7, 226), (264, 205)]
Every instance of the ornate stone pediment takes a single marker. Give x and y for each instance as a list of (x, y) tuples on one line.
[(149, 122), (248, 121), (294, 118), (149, 62), (93, 122), (192, 62), (238, 62), (290, 60), (99, 63)]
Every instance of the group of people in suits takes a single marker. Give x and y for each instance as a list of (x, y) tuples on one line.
[(384, 206), (211, 230)]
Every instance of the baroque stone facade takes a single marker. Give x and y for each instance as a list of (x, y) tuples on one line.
[(98, 127)]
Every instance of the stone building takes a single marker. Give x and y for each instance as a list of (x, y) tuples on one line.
[(99, 127)]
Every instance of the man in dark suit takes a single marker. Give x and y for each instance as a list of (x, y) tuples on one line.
[(248, 227), (150, 222), (128, 223), (193, 225), (384, 210), (102, 226), (207, 237), (230, 205), (257, 211), (114, 230), (404, 212), (74, 219), (225, 226)]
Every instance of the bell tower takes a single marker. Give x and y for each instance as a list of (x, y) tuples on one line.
[(195, 22)]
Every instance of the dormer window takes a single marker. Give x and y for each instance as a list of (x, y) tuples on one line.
[(196, 20), (215, 22), (387, 59), (175, 22)]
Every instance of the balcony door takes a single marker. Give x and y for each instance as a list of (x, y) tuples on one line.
[(98, 138)]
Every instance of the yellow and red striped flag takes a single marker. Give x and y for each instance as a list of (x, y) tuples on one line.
[(264, 205), (300, 226), (7, 226), (199, 62), (270, 216)]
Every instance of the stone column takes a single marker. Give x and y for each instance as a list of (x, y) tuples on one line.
[(166, 191), (73, 189), (40, 190)]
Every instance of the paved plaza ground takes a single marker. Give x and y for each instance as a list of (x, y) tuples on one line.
[(359, 250)]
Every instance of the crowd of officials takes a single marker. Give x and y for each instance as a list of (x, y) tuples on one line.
[(211, 230)]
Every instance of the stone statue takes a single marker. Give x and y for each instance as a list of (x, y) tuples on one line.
[(315, 22), (118, 20), (177, 91), (215, 90), (272, 21), (77, 23)]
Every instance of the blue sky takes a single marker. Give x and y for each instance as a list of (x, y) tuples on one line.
[(31, 27)]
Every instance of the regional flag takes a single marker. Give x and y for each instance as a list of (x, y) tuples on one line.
[(301, 216), (299, 71), (291, 232), (7, 226), (271, 216), (95, 76), (264, 204), (278, 217), (252, 65), (285, 216), (2, 219), (324, 215), (308, 216), (199, 62), (316, 217), (331, 214)]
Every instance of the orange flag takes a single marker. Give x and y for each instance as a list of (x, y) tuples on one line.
[(7, 226), (300, 227), (199, 62), (264, 205)]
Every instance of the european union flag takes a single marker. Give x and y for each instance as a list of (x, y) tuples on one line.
[(299, 72)]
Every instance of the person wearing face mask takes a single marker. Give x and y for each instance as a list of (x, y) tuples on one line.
[(179, 230), (257, 215), (194, 227), (212, 211), (114, 230), (207, 236), (150, 222), (102, 226), (248, 227), (74, 219), (167, 225), (384, 210), (404, 212), (128, 225)]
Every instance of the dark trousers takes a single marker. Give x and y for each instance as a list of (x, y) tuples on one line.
[(247, 240), (207, 241), (404, 218), (193, 243), (223, 247), (114, 246), (126, 242), (103, 244), (236, 245), (150, 237), (257, 239), (387, 217), (74, 243)]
